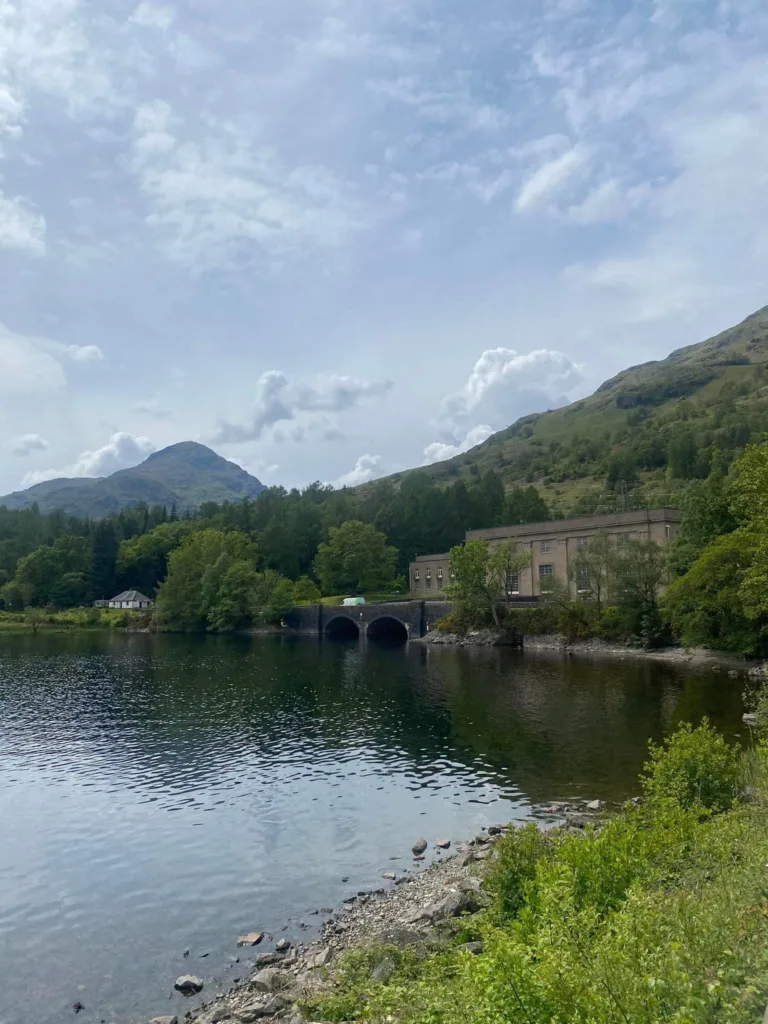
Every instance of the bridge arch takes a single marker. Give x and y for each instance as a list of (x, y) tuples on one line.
[(342, 627), (388, 629)]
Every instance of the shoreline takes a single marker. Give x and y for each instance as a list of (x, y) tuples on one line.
[(596, 648), (417, 907)]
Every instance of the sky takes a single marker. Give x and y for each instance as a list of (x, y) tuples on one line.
[(334, 239)]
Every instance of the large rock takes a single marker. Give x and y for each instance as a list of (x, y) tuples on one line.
[(268, 980), (451, 905), (595, 805), (188, 984), (251, 939), (578, 821), (260, 1008), (443, 844), (267, 959), (396, 935), (419, 847), (320, 958)]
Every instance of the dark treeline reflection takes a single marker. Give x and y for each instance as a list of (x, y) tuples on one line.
[(181, 711)]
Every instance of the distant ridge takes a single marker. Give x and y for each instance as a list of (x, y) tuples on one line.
[(185, 474)]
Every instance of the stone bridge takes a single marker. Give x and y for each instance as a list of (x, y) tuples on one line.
[(397, 620)]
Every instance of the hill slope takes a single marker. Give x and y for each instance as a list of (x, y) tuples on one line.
[(185, 474), (647, 428)]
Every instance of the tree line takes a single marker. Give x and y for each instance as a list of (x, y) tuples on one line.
[(232, 565), (317, 540)]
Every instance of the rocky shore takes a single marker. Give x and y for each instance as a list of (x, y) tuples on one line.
[(410, 908), (553, 643)]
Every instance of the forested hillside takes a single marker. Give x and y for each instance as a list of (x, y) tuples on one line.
[(642, 436), (185, 475), (59, 560)]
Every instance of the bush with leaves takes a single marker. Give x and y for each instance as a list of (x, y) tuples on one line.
[(695, 769)]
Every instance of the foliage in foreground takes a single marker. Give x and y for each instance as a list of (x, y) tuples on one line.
[(662, 915)]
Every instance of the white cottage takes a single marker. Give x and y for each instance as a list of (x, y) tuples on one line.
[(132, 599)]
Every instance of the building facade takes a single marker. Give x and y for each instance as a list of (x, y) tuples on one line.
[(552, 545)]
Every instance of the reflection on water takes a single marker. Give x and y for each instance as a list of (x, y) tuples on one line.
[(159, 794)]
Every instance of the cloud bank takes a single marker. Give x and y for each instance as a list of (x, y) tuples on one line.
[(278, 400), (122, 451)]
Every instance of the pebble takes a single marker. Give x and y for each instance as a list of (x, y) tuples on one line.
[(283, 946), (443, 844), (391, 875), (419, 847), (595, 805), (188, 984)]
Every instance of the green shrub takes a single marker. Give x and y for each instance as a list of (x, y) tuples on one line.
[(694, 768), (512, 876)]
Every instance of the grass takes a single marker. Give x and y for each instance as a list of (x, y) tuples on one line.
[(661, 915), (68, 620)]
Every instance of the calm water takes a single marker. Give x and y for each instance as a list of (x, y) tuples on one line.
[(159, 794)]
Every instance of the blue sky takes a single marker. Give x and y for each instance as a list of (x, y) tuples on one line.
[(334, 239)]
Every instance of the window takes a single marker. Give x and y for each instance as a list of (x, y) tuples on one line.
[(545, 547), (667, 531), (513, 583), (546, 578), (582, 542), (428, 574), (582, 581), (439, 572), (416, 575), (429, 580)]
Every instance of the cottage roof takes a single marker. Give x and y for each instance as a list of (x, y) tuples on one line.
[(130, 595)]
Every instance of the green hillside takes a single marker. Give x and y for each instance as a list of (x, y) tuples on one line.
[(642, 434), (186, 475)]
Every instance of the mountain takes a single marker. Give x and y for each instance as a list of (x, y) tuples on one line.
[(648, 429), (185, 474)]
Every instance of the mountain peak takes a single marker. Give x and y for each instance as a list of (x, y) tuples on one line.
[(186, 475), (192, 452)]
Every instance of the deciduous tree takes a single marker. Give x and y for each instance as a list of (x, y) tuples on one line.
[(355, 559)]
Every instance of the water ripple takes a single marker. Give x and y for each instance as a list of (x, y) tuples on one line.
[(162, 794)]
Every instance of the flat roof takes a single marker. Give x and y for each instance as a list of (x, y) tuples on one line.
[(429, 558), (594, 522)]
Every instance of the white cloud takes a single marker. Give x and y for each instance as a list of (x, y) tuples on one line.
[(650, 287), (21, 227), (335, 394), (607, 202), (25, 367), (277, 400), (218, 201), (27, 443), (150, 15), (121, 452), (439, 452), (504, 385), (365, 469), (82, 353), (551, 178)]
